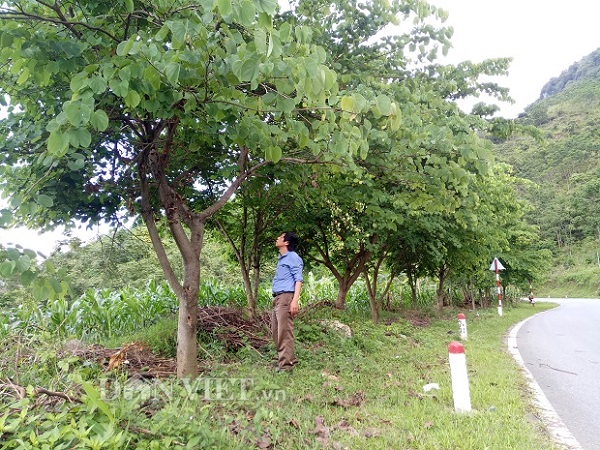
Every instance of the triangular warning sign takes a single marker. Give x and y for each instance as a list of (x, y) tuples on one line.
[(496, 265)]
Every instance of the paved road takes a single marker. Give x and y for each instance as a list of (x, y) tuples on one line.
[(561, 349)]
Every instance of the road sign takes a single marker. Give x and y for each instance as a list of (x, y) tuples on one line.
[(496, 265)]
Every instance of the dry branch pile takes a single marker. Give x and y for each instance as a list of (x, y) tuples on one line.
[(134, 358), (228, 325), (233, 328)]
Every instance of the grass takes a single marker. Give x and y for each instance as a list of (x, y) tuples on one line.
[(368, 390), (363, 392)]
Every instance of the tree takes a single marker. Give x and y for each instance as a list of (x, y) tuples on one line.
[(248, 222), (162, 108)]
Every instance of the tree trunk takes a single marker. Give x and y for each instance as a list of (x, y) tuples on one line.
[(344, 286), (187, 330), (439, 293), (374, 309), (412, 282), (372, 291), (346, 281), (187, 345)]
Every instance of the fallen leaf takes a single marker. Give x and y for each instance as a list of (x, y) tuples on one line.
[(264, 442), (371, 432), (345, 426), (357, 399), (329, 376), (321, 431)]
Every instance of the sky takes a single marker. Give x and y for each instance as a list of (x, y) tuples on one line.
[(543, 37)]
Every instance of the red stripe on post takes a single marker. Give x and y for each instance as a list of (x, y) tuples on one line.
[(462, 316), (456, 347)]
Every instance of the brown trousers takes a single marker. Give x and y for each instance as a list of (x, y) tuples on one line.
[(282, 327)]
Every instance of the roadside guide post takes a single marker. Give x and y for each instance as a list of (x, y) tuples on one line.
[(459, 376), (496, 267), (462, 326)]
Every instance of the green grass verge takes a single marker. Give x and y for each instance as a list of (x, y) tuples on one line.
[(366, 392), (363, 392)]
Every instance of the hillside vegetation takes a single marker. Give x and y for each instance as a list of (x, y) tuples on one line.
[(564, 168)]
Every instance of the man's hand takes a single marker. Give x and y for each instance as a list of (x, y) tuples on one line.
[(294, 307)]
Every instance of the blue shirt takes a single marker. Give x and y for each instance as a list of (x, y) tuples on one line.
[(288, 271)]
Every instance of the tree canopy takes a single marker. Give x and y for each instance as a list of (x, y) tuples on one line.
[(164, 109)]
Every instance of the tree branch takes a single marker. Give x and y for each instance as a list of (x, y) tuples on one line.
[(9, 14)]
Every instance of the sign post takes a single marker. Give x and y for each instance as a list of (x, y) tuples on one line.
[(497, 267)]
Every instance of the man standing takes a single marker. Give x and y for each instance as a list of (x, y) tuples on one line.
[(286, 287)]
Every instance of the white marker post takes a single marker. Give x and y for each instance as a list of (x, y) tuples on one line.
[(462, 326), (460, 377), (496, 267)]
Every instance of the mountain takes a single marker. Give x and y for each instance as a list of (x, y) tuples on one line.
[(565, 170)]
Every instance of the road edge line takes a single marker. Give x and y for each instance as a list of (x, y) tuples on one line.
[(550, 418)]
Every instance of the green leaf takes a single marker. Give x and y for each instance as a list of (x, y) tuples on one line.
[(23, 263), (172, 72), (265, 21), (7, 268), (56, 285), (267, 6), (286, 105), (73, 113), (78, 82), (93, 397), (41, 291), (52, 126), (58, 143), (347, 103), (45, 200), (384, 104), (6, 41), (24, 76), (249, 69), (5, 217), (273, 154), (80, 137), (129, 6), (99, 120), (247, 12), (27, 277), (123, 48), (260, 41), (132, 99), (224, 7)]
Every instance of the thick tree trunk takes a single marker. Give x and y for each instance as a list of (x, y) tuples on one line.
[(439, 294), (187, 345), (372, 291), (374, 309), (412, 282), (343, 289)]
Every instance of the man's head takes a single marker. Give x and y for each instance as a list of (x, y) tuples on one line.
[(288, 240)]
